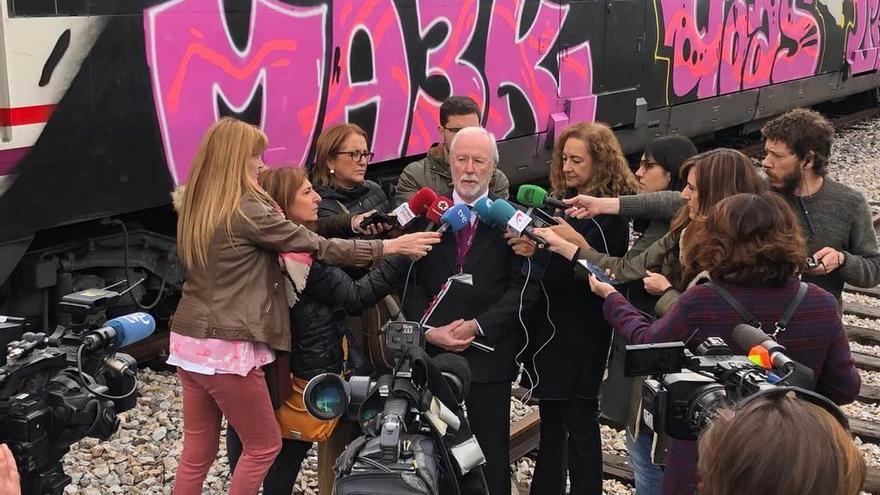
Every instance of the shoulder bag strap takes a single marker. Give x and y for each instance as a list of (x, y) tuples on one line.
[(728, 297), (782, 324)]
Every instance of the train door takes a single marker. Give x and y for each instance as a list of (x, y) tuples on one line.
[(622, 62)]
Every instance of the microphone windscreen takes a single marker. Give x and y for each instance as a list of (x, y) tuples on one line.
[(501, 211), (481, 208), (746, 336), (456, 366), (457, 217), (421, 201), (437, 208), (530, 195), (132, 328)]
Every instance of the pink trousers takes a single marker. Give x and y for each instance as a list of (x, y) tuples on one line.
[(244, 400)]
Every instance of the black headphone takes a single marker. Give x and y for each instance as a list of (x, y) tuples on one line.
[(800, 393)]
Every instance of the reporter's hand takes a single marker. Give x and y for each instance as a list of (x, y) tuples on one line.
[(567, 232), (444, 337), (522, 246), (583, 206), (829, 259), (655, 283), (414, 245), (556, 243), (9, 480), (601, 289), (373, 230)]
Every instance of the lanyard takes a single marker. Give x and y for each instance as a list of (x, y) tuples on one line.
[(464, 239)]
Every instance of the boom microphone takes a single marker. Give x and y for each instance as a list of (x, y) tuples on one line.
[(455, 219), (121, 331), (417, 206), (537, 197), (505, 215), (749, 337), (437, 209)]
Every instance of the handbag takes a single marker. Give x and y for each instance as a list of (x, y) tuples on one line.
[(295, 421), (373, 321)]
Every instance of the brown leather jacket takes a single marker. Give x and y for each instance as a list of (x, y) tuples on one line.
[(240, 294)]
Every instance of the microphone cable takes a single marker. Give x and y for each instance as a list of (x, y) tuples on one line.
[(522, 323), (528, 395)]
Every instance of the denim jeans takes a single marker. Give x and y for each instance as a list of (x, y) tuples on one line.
[(649, 476)]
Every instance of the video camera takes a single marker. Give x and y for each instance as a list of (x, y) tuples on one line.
[(416, 436), (59, 388), (687, 389)]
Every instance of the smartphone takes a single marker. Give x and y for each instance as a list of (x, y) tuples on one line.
[(598, 271), (377, 218)]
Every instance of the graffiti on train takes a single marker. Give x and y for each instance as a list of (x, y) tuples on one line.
[(863, 37), (311, 67), (737, 45)]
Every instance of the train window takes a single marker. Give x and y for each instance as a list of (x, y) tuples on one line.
[(54, 8)]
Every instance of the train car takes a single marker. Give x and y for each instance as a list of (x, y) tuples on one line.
[(103, 102)]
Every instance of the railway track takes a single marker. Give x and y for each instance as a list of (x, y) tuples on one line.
[(525, 432)]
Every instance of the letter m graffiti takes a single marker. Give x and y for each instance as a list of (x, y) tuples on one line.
[(194, 64)]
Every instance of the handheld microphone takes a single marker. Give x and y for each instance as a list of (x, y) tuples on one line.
[(749, 338), (481, 208), (121, 331), (455, 219), (437, 209), (505, 215), (537, 197), (417, 206)]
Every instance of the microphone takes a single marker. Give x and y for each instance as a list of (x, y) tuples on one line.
[(455, 219), (537, 197), (121, 331), (504, 214), (456, 371), (417, 206), (481, 208), (763, 350), (437, 209)]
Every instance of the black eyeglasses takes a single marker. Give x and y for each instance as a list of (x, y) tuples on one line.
[(356, 155), (647, 163)]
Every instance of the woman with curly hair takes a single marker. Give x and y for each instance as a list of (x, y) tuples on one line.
[(752, 248), (565, 358)]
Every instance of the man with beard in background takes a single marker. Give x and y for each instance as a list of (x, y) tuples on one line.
[(836, 219)]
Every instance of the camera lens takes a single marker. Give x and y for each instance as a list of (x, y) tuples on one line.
[(326, 396)]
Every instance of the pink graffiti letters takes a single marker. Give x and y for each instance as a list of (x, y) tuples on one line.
[(308, 81), (863, 37), (746, 44)]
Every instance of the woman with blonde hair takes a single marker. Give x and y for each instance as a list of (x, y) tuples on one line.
[(233, 312), (569, 340)]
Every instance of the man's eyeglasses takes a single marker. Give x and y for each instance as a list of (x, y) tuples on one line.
[(356, 155)]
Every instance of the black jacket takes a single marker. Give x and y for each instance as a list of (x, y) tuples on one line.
[(573, 361), (499, 276), (318, 318), (364, 197)]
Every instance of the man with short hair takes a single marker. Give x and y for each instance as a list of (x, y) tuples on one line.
[(499, 294), (432, 171), (836, 219)]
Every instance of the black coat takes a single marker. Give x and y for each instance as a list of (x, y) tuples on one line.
[(364, 197), (318, 318), (573, 362), (499, 276)]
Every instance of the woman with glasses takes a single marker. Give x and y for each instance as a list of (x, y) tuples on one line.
[(341, 158)]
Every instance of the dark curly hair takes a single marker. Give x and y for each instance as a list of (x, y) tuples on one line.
[(805, 132), (751, 239)]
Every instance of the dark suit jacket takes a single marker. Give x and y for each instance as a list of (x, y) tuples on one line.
[(499, 276)]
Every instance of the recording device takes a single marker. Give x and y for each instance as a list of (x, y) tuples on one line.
[(58, 388), (455, 219), (505, 216), (437, 209), (812, 263), (417, 206), (540, 218), (596, 270), (377, 218), (537, 197), (687, 389), (416, 438)]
